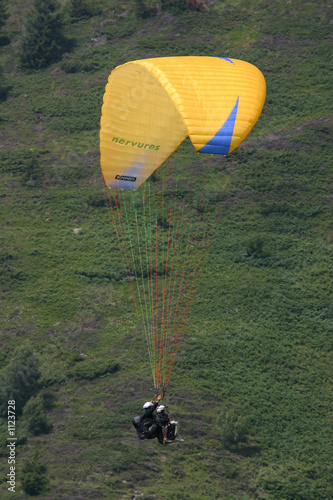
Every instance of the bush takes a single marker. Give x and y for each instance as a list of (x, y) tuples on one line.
[(34, 414), (75, 358), (23, 161), (154, 42), (17, 160), (49, 400), (255, 248), (234, 428), (4, 88), (146, 8), (3, 13), (93, 369), (45, 38), (73, 64), (121, 29), (19, 380), (52, 378), (295, 481), (34, 479), (196, 5), (3, 41), (179, 6), (82, 9), (174, 6)]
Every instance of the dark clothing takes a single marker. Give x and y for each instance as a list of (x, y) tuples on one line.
[(150, 425), (162, 419), (145, 424), (147, 415), (159, 435)]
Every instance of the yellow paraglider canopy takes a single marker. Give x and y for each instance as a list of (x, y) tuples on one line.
[(165, 228), (151, 105)]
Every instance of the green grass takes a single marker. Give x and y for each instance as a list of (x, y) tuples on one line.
[(259, 338)]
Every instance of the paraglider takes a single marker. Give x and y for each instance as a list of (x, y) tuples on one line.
[(165, 214), (154, 422)]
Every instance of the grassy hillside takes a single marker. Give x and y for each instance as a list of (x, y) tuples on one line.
[(257, 354)]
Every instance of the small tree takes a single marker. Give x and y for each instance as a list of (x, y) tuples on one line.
[(19, 380), (3, 13), (34, 414), (34, 479), (3, 41), (45, 39), (3, 86)]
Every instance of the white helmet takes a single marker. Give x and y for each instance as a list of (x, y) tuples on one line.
[(147, 405), (160, 408)]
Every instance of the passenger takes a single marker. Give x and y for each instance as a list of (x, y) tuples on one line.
[(166, 430)]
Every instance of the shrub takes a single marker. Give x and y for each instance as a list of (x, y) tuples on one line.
[(34, 173), (73, 64), (179, 6), (19, 380), (17, 160), (3, 41), (146, 8), (295, 481), (82, 9), (45, 38), (153, 42), (93, 369), (52, 378), (23, 161), (34, 479), (234, 428), (75, 358), (3, 13), (34, 414), (174, 6), (4, 88), (255, 248), (49, 399), (121, 29), (163, 221)]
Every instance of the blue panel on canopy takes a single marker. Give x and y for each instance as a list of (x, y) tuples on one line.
[(220, 143)]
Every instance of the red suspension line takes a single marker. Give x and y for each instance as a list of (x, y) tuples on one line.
[(164, 292), (126, 264), (186, 267), (191, 295)]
